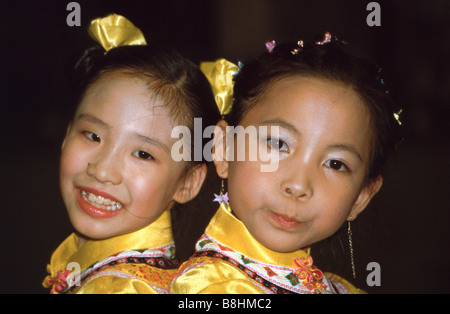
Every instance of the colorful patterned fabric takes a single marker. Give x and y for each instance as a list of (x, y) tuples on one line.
[(228, 259), (140, 262)]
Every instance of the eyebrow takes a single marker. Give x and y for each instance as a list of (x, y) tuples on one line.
[(155, 142), (283, 123), (90, 118), (345, 147)]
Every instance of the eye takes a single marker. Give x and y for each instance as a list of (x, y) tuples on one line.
[(92, 136), (336, 165), (142, 155), (277, 144)]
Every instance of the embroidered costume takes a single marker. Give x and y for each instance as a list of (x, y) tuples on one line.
[(140, 262), (228, 259)]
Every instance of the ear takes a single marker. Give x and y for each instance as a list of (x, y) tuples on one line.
[(219, 149), (192, 184), (364, 197), (65, 137)]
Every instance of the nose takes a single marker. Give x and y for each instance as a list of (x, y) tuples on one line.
[(298, 185), (105, 168)]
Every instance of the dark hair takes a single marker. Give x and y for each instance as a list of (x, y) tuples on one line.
[(325, 61), (172, 77)]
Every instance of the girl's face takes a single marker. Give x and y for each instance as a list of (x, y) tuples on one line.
[(116, 171), (323, 149)]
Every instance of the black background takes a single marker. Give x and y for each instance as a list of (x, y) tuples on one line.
[(409, 237)]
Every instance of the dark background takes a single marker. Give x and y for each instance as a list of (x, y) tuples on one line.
[(408, 236)]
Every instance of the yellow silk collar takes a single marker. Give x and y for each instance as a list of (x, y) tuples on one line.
[(231, 232), (157, 234)]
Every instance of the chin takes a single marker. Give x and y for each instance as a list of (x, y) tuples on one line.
[(277, 244), (88, 229)]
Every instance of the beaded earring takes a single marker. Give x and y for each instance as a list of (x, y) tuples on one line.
[(350, 242)]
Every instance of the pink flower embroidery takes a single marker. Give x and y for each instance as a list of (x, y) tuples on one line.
[(57, 283), (309, 274)]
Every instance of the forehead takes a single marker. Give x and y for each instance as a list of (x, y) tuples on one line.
[(317, 108), (297, 93), (122, 97)]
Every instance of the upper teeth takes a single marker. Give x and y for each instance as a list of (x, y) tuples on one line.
[(100, 201)]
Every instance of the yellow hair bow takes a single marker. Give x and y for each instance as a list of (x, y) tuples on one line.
[(220, 75), (115, 30)]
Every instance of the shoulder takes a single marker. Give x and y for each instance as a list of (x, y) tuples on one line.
[(204, 275), (127, 279), (342, 285)]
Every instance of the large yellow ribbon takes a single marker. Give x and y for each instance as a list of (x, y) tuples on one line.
[(115, 30), (220, 75)]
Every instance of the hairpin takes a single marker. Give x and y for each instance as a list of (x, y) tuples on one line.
[(115, 30), (220, 75), (240, 66), (328, 38), (397, 116), (270, 45), (300, 45)]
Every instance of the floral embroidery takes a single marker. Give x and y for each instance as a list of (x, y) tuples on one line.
[(58, 282), (157, 278), (272, 278), (203, 243), (270, 272), (245, 260), (162, 258), (309, 274)]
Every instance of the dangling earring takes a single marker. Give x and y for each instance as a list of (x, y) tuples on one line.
[(350, 241), (223, 197)]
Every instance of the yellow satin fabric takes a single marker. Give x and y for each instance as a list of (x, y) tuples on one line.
[(227, 229), (116, 285), (115, 30), (204, 275), (208, 276), (214, 278), (220, 76), (157, 234)]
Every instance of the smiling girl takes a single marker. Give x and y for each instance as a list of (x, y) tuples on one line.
[(117, 176), (335, 129)]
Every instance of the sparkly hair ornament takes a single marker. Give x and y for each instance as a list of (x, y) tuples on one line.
[(220, 75), (328, 38), (270, 45), (300, 45), (381, 81), (114, 31)]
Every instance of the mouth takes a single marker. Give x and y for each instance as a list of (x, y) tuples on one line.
[(100, 201), (98, 204), (284, 221)]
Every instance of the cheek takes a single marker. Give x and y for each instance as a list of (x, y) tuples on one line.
[(152, 187), (336, 206), (144, 188), (247, 184), (72, 161)]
